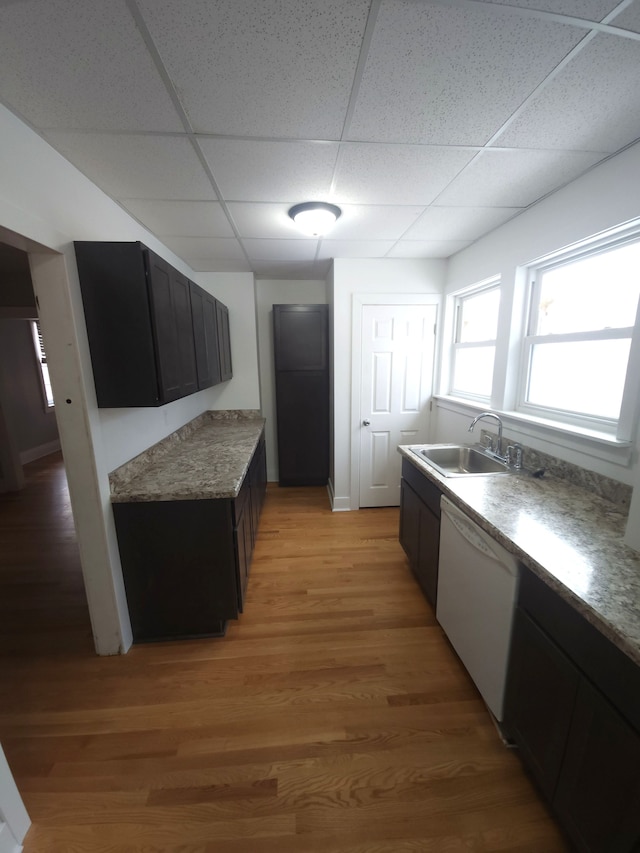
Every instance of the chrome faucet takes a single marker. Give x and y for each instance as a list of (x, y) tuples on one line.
[(498, 448)]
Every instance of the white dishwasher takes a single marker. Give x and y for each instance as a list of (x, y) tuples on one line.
[(477, 585)]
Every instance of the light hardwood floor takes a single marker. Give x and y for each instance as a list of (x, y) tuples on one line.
[(332, 718)]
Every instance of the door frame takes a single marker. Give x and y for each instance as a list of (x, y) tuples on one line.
[(12, 809), (359, 300), (78, 423)]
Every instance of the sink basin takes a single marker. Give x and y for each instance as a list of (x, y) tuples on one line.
[(459, 460)]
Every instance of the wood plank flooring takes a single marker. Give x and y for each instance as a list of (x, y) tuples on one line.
[(332, 718)]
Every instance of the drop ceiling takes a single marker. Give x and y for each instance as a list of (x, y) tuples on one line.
[(428, 123)]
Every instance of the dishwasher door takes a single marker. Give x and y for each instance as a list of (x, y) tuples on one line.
[(477, 585)]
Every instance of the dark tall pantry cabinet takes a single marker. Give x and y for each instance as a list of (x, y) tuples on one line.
[(301, 349)]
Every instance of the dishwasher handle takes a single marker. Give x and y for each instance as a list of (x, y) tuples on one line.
[(477, 537)]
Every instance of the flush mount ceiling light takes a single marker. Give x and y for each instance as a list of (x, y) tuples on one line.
[(314, 218)]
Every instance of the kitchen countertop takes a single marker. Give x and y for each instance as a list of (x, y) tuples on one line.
[(206, 459), (568, 536)]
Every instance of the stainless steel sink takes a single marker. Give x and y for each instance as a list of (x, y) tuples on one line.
[(460, 460)]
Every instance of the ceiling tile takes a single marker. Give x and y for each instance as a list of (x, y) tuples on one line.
[(396, 174), (416, 87), (354, 248), (272, 250), (260, 219), (246, 67), (629, 19), (290, 270), (209, 264), (592, 105), (270, 171), (214, 248), (70, 64), (374, 222), (591, 10), (514, 178), (137, 166), (181, 218), (427, 248), (458, 223)]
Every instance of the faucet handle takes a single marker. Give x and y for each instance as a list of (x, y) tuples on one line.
[(514, 450), (488, 441)]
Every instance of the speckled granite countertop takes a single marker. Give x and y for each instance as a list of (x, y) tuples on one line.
[(568, 536), (207, 458)]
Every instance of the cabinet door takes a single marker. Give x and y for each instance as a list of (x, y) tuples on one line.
[(301, 337), (203, 315), (541, 690), (164, 324), (178, 566), (259, 478), (303, 427), (428, 553), (173, 327), (409, 523), (181, 304), (113, 281), (598, 793), (420, 538), (224, 341), (243, 547)]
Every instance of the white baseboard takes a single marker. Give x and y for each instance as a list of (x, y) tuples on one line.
[(337, 504), (38, 452)]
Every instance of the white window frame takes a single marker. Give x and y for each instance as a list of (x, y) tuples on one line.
[(458, 300), (622, 429), (41, 359)]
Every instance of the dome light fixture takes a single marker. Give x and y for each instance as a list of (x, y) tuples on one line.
[(314, 218)]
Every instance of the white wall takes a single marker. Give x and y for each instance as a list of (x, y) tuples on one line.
[(349, 277), (46, 204), (596, 202), (270, 292)]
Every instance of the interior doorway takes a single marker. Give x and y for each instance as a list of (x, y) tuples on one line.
[(392, 383), (40, 571), (54, 281), (28, 425)]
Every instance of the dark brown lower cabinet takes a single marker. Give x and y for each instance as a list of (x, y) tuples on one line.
[(572, 708), (186, 563), (247, 508), (598, 793), (420, 527)]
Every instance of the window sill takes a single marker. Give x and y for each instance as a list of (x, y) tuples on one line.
[(520, 426)]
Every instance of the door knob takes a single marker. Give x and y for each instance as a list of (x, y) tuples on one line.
[(366, 423)]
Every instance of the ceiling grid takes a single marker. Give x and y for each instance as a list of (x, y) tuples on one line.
[(428, 123)]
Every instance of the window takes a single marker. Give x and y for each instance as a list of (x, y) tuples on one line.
[(474, 341), (41, 356), (579, 334)]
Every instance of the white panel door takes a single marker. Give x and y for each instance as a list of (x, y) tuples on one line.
[(398, 343)]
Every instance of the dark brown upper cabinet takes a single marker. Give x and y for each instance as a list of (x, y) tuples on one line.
[(205, 333), (153, 334), (224, 341)]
